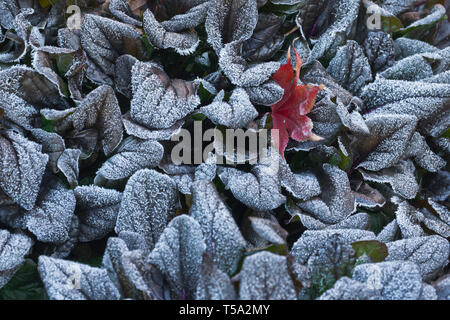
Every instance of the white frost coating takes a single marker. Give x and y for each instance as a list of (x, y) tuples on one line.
[(50, 220), (266, 94), (214, 284), (349, 289), (13, 248), (336, 202), (223, 239), (394, 280), (183, 42), (149, 202), (430, 253), (239, 72), (159, 102), (392, 134), (178, 255), (131, 156), (259, 190), (104, 40), (100, 110), (68, 164), (67, 280), (350, 67), (401, 177), (269, 230), (264, 276), (97, 209), (236, 113), (230, 20), (22, 166), (310, 240)]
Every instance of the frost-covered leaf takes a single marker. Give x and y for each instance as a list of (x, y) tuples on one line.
[(369, 197), (315, 73), (408, 219), (68, 164), (429, 253), (265, 94), (104, 40), (266, 40), (397, 97), (158, 101), (350, 67), (24, 91), (67, 280), (379, 49), (389, 231), (131, 274), (441, 227), (52, 144), (164, 36), (337, 201), (22, 168), (422, 28), (349, 289), (214, 284), (405, 47), (401, 177), (97, 209), (8, 11), (122, 11), (302, 186), (64, 249), (259, 190), (230, 21), (395, 280), (239, 71), (136, 130), (131, 156), (264, 276), (442, 286), (149, 202), (51, 218), (423, 155), (13, 249), (389, 137), (223, 239), (346, 13), (14, 45), (100, 110), (311, 240), (269, 230), (236, 113), (399, 6), (178, 255), (419, 66)]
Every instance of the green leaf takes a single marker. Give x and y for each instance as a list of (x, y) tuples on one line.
[(376, 250), (25, 285), (198, 117), (48, 125), (206, 97)]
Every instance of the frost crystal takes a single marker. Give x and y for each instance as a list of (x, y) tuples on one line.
[(264, 276), (149, 202)]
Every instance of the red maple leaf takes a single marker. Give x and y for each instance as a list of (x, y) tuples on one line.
[(289, 114)]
